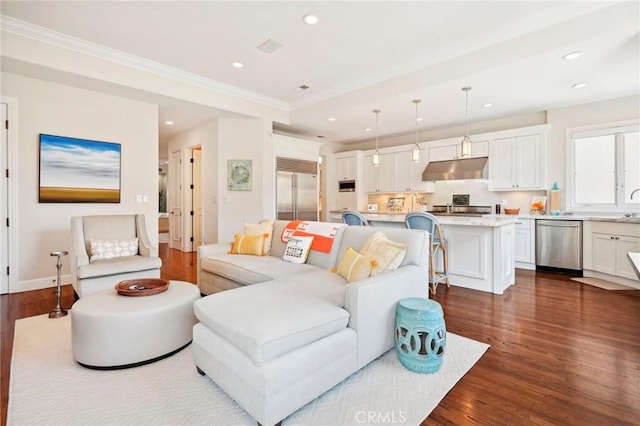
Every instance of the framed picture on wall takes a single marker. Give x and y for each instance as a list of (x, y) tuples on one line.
[(78, 170), (239, 175)]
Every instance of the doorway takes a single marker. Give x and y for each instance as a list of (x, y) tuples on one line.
[(8, 193)]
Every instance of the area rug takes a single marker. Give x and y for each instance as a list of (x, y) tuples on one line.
[(597, 282), (48, 388)]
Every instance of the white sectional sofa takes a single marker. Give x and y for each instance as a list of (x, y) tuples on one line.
[(288, 333)]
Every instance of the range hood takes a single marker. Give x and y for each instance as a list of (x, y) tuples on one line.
[(468, 168)]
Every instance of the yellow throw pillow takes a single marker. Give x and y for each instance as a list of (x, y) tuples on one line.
[(353, 266), (248, 244), (385, 254), (264, 227)]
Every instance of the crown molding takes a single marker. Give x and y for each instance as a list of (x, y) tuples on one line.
[(45, 35)]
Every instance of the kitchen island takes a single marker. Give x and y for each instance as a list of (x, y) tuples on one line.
[(481, 249)]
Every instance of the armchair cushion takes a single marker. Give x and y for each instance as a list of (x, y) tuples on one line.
[(106, 249), (118, 265)]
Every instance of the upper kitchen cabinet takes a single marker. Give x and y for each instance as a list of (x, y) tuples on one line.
[(517, 162), (396, 173), (346, 166), (438, 152)]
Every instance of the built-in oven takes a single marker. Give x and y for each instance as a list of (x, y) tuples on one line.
[(347, 186)]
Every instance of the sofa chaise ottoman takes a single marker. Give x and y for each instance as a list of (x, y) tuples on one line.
[(276, 345)]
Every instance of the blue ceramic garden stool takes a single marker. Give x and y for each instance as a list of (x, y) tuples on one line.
[(421, 335)]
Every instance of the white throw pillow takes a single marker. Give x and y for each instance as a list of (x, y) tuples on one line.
[(101, 249), (386, 254), (297, 249), (264, 227)]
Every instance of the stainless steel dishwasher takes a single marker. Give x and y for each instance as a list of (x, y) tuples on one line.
[(559, 244)]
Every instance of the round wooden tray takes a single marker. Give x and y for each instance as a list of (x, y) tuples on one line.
[(142, 287)]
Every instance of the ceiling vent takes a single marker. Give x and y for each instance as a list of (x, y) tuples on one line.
[(270, 46)]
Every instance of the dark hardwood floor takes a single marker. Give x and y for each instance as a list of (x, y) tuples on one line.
[(561, 352)]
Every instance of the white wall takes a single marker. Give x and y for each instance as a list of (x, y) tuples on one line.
[(610, 111), (244, 139), (56, 109)]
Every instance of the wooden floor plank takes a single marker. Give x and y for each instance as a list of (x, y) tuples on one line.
[(562, 352)]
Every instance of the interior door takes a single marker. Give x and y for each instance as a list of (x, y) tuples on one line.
[(4, 196), (197, 198), (175, 200)]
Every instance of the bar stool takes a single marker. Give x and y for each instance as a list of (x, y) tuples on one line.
[(429, 223), (353, 217)]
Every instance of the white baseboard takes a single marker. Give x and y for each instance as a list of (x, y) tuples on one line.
[(40, 283), (528, 266)]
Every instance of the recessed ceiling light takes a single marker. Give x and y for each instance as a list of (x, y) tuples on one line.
[(310, 19), (169, 123), (572, 55), (331, 119), (419, 119), (487, 105), (237, 64), (367, 129), (579, 85)]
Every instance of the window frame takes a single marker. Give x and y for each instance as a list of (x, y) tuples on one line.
[(621, 205)]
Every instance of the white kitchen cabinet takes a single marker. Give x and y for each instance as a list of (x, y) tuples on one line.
[(610, 254), (396, 173), (371, 175), (452, 151), (480, 257), (517, 163), (346, 167), (386, 171), (346, 200), (378, 178), (524, 244)]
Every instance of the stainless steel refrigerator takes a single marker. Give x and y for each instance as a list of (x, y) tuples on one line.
[(296, 189)]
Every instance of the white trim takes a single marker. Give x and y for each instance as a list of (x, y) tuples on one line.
[(40, 283), (12, 186), (587, 131), (45, 35)]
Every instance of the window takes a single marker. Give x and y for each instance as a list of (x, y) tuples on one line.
[(604, 169)]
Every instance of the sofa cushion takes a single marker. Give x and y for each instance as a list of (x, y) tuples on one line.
[(106, 249), (317, 258), (248, 244), (353, 266), (386, 254), (298, 249), (267, 320), (245, 269), (262, 228), (118, 265)]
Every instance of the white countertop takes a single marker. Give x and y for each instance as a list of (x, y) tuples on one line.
[(488, 220), (399, 217), (612, 218)]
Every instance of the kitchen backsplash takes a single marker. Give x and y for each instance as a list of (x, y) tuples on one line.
[(479, 195)]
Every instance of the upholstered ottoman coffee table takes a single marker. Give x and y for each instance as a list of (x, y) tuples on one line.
[(110, 331)]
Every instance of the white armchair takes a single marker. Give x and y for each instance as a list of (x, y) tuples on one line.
[(89, 276)]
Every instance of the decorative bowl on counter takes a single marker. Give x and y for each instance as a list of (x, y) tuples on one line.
[(511, 211)]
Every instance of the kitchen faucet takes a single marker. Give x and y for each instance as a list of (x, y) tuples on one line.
[(634, 191)]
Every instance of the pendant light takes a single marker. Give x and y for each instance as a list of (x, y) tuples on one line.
[(415, 152), (376, 156), (465, 146)]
